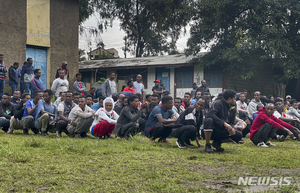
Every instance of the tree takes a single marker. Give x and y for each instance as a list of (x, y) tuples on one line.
[(152, 27), (236, 30), (81, 53)]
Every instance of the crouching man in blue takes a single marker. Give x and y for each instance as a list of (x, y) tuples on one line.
[(188, 124), (219, 120)]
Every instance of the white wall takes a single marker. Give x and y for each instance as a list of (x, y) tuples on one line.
[(150, 81)]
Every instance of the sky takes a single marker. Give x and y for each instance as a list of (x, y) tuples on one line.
[(113, 38)]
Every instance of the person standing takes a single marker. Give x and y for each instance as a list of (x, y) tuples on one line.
[(139, 86), (109, 86), (27, 75), (36, 83), (129, 87), (13, 77), (63, 67), (203, 88), (193, 91), (60, 84), (3, 71), (157, 89), (78, 85)]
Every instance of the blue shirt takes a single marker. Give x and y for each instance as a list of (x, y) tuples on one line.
[(36, 84), (96, 106), (152, 120), (29, 104), (42, 105), (193, 101)]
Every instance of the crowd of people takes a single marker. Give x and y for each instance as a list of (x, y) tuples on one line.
[(104, 113)]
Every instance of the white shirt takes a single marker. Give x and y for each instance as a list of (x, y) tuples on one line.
[(77, 112), (113, 86), (60, 85), (101, 115), (138, 87)]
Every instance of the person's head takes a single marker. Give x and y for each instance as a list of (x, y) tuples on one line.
[(130, 83), (1, 57), (38, 95), (16, 65), (61, 73), (92, 90), (48, 95), (294, 104), (230, 97), (76, 96), (242, 97), (112, 76), (163, 86), (101, 99), (166, 93), (177, 102), (64, 65), (256, 96), (89, 100), (203, 82), (278, 104), (157, 82), (270, 109), (139, 78), (121, 96), (200, 104), (167, 102), (271, 98), (139, 96), (286, 105), (248, 101), (25, 97), (148, 98), (245, 92), (6, 98), (194, 85), (125, 101), (133, 101), (78, 77), (155, 99), (108, 104), (114, 97), (37, 73), (259, 105), (198, 95), (69, 97), (82, 102), (207, 96), (16, 95), (288, 98), (29, 61), (62, 96), (187, 97)]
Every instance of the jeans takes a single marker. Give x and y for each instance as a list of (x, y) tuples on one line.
[(27, 87), (159, 131), (4, 123), (2, 84), (21, 87), (13, 88), (264, 133)]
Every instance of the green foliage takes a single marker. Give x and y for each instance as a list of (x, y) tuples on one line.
[(101, 81), (236, 31), (81, 52)]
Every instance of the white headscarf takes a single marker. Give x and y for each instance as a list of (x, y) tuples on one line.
[(108, 99)]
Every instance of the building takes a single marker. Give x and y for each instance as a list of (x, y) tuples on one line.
[(44, 30), (99, 53), (177, 73)]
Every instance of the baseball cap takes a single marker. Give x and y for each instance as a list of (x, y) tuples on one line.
[(288, 97), (157, 81)]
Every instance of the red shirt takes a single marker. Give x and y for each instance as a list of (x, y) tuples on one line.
[(128, 89)]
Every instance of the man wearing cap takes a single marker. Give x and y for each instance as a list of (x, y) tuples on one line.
[(157, 89), (63, 67), (288, 98)]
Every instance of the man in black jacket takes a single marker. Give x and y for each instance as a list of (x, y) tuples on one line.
[(18, 114), (6, 111), (188, 124), (219, 120), (13, 77), (203, 88)]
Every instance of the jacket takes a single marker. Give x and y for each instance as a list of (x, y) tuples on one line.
[(3, 71), (263, 118), (185, 118), (36, 84), (77, 87), (7, 110), (293, 112), (26, 69), (13, 76), (19, 111), (106, 91)]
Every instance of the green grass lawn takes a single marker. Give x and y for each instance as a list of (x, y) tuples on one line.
[(47, 164)]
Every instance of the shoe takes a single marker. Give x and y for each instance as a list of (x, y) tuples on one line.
[(217, 146), (100, 137), (208, 148), (262, 144), (188, 143), (77, 136), (241, 142), (270, 144), (44, 134), (281, 138), (165, 141), (58, 134), (25, 132), (108, 137), (180, 145), (9, 132)]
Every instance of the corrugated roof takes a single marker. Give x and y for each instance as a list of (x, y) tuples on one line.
[(137, 62)]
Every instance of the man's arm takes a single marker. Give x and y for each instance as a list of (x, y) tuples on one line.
[(54, 85), (157, 92), (2, 114), (62, 117), (166, 121), (104, 88), (32, 110)]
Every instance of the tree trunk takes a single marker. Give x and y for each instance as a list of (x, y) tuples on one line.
[(280, 89)]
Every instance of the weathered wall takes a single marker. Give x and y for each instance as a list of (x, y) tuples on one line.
[(64, 20), (263, 80), (13, 32)]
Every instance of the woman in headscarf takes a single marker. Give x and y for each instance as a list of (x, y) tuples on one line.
[(105, 120)]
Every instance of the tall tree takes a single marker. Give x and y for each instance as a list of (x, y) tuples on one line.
[(236, 30)]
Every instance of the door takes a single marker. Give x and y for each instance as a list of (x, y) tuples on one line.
[(39, 57), (163, 74)]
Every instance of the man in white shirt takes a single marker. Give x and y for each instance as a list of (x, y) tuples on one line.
[(81, 117), (138, 85), (241, 105), (60, 84)]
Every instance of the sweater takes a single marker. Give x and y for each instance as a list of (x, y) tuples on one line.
[(59, 85), (241, 106), (252, 107), (36, 84), (3, 70), (263, 118), (13, 76), (7, 110), (293, 112)]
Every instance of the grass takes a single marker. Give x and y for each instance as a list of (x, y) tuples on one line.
[(48, 164)]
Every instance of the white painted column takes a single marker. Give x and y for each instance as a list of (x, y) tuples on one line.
[(172, 82)]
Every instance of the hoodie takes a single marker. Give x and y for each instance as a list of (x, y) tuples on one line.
[(102, 114), (252, 107), (293, 112), (27, 73), (263, 118)]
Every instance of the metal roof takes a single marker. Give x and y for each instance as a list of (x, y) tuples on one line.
[(142, 62)]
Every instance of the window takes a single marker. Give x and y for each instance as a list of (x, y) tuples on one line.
[(184, 76), (213, 77)]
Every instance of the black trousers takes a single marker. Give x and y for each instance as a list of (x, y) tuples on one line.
[(218, 134), (130, 129), (61, 126), (159, 131), (246, 130), (185, 133), (265, 132)]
